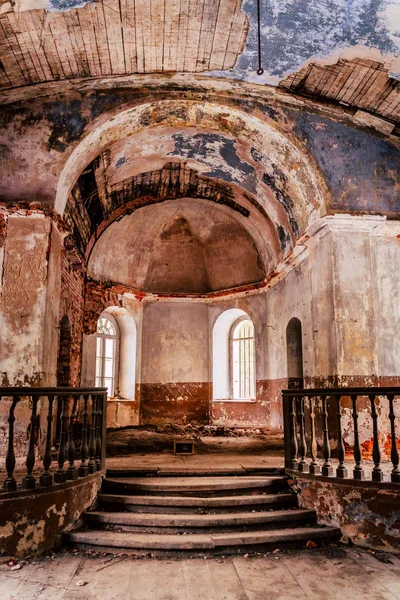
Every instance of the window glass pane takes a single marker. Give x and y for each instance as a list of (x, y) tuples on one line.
[(98, 367), (108, 367), (99, 345), (109, 351), (243, 360)]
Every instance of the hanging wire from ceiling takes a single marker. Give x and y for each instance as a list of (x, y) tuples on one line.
[(260, 70)]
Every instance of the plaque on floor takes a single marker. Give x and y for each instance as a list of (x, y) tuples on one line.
[(183, 447)]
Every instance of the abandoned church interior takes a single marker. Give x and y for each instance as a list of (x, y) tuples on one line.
[(199, 281)]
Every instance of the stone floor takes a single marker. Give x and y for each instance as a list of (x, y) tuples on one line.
[(332, 573)]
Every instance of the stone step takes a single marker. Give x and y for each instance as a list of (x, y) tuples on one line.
[(195, 485), (110, 541), (284, 518), (189, 504), (192, 472)]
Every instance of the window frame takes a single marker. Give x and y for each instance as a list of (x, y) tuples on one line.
[(231, 342), (116, 338)]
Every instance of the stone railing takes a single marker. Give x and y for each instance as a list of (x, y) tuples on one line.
[(62, 409), (319, 423)]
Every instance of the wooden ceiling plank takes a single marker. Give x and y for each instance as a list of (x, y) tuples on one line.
[(46, 42), (149, 43), (380, 100), (371, 97), (330, 82), (324, 78), (140, 53), (210, 16), (391, 101), (77, 43), (362, 77), (101, 38), (10, 62), (343, 73), (313, 79), (237, 38), (25, 58), (364, 89), (182, 35), (156, 34), (129, 31), (86, 19), (222, 31), (112, 12), (37, 52), (347, 83), (57, 32), (171, 34), (195, 20)]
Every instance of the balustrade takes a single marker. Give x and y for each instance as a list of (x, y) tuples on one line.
[(84, 405), (324, 429)]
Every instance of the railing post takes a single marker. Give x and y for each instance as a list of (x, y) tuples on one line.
[(10, 485), (72, 471), (28, 482), (103, 430), (83, 468), (293, 434), (286, 430), (341, 470), (99, 425), (327, 469), (46, 478), (60, 475), (92, 440), (358, 471), (303, 464), (377, 474), (315, 469), (394, 453)]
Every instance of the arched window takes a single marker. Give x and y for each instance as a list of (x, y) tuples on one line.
[(106, 353), (243, 360)]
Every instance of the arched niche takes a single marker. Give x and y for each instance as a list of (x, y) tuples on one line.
[(127, 352), (294, 353), (220, 352)]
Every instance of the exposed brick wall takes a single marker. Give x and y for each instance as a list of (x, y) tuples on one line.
[(98, 297)]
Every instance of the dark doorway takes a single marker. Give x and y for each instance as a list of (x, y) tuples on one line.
[(63, 363), (294, 350)]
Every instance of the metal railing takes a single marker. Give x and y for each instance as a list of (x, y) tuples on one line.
[(67, 406), (303, 429)]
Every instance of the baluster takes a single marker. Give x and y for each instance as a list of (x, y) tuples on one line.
[(92, 440), (293, 434), (83, 469), (394, 453), (358, 471), (377, 474), (98, 433), (10, 485), (72, 471), (327, 469), (28, 482), (341, 470), (314, 466), (46, 478), (60, 475), (303, 464)]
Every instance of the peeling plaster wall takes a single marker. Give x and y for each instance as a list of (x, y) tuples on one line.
[(32, 523), (368, 514)]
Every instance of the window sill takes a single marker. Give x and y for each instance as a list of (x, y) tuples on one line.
[(246, 400), (116, 399)]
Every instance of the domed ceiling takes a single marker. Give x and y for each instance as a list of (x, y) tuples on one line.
[(182, 246)]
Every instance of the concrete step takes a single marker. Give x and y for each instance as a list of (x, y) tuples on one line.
[(109, 541), (193, 486), (190, 504), (165, 522)]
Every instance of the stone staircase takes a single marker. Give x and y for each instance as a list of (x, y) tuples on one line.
[(200, 512)]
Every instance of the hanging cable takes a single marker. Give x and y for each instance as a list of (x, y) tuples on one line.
[(260, 70)]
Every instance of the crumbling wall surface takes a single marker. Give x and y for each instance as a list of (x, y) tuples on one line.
[(175, 384), (368, 514), (32, 523)]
